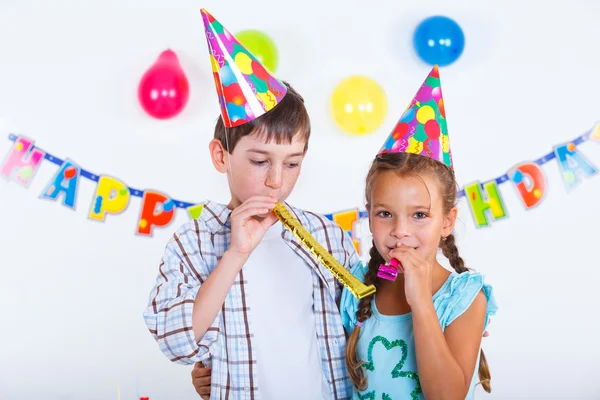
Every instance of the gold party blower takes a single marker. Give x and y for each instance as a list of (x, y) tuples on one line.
[(356, 287)]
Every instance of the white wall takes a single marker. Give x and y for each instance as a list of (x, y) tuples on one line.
[(72, 290)]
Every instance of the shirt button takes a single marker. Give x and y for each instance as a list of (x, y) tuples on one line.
[(335, 341)]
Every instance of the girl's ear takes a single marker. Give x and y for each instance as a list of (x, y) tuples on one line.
[(449, 222)]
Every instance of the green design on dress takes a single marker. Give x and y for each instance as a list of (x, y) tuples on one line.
[(396, 372), (367, 396)]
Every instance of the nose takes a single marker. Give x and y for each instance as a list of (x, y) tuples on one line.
[(274, 178), (400, 229)]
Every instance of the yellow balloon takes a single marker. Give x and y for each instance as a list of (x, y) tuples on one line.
[(358, 105)]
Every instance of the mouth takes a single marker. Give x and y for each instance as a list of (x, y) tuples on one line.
[(392, 248)]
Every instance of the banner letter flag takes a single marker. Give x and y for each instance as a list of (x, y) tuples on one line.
[(65, 181), (346, 220), (530, 183), (112, 196), (480, 205), (572, 165), (22, 162), (157, 210), (195, 211)]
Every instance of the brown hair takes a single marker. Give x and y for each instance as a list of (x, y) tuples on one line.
[(287, 119), (405, 164)]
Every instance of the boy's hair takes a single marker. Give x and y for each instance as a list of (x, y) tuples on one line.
[(286, 120), (407, 164)]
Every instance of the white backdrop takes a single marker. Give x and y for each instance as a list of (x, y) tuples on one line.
[(73, 290)]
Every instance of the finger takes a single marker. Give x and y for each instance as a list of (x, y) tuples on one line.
[(204, 390), (253, 204), (203, 381), (487, 333), (261, 197), (204, 397), (400, 254), (269, 220), (198, 365), (200, 393), (253, 212), (200, 372), (400, 266), (410, 255), (415, 258), (406, 249), (254, 200), (402, 249), (405, 260)]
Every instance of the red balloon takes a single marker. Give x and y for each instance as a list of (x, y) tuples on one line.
[(164, 91)]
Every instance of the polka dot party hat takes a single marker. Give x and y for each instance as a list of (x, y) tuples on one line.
[(246, 89), (422, 128)]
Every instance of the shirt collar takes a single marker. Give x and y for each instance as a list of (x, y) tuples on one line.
[(215, 216)]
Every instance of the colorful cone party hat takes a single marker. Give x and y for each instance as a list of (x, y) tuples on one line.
[(422, 128), (245, 87)]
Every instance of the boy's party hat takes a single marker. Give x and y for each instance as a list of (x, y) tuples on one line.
[(246, 89), (422, 128)]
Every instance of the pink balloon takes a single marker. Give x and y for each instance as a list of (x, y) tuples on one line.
[(164, 91)]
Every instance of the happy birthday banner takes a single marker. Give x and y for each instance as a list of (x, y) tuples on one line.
[(112, 196)]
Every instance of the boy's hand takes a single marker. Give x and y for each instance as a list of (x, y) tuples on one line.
[(487, 333), (201, 380), (249, 222)]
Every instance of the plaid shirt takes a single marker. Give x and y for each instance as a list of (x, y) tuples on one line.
[(192, 254)]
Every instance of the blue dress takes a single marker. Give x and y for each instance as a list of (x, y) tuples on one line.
[(386, 343)]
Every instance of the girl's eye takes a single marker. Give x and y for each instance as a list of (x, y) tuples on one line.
[(384, 214), (258, 162), (292, 165), (420, 215)]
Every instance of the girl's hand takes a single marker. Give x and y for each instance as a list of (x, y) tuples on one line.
[(418, 274)]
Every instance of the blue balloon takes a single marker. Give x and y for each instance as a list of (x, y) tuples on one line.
[(439, 40)]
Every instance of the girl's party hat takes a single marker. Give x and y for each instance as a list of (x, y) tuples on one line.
[(422, 128)]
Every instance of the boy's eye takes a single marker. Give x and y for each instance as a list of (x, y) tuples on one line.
[(258, 162), (384, 214), (420, 215), (293, 165)]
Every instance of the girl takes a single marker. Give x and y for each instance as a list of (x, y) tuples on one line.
[(419, 336)]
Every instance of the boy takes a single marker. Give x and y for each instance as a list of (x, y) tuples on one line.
[(235, 289)]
